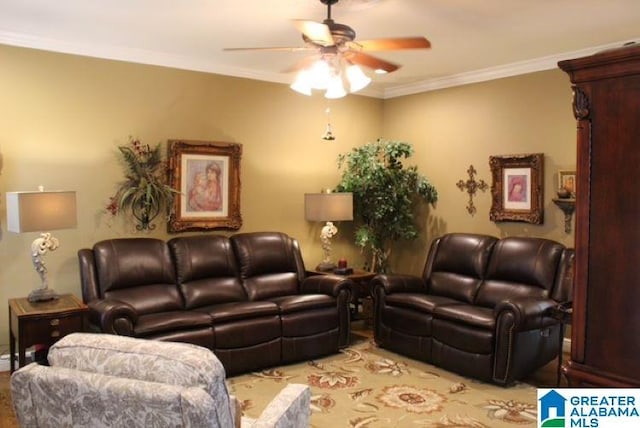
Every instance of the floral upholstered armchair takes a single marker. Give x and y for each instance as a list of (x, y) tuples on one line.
[(105, 380)]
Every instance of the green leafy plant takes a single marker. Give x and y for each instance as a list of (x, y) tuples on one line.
[(144, 193), (385, 196)]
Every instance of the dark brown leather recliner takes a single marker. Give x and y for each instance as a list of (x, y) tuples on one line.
[(481, 307), (246, 297)]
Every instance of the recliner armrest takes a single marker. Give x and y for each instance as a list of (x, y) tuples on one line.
[(528, 313), (113, 316), (291, 408), (330, 285), (398, 283)]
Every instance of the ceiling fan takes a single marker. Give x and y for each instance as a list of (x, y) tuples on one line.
[(336, 44)]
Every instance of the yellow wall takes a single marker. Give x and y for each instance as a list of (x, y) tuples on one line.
[(457, 127), (62, 118)]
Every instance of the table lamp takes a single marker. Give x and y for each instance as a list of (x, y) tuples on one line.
[(41, 211), (328, 207)]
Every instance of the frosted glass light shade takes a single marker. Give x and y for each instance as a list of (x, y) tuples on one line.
[(357, 79)]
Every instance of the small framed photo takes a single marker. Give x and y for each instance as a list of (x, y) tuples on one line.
[(517, 189), (207, 174), (567, 181)]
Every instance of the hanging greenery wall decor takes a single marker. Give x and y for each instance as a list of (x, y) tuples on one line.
[(385, 195), (144, 194)]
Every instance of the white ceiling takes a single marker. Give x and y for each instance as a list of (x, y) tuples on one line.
[(472, 40)]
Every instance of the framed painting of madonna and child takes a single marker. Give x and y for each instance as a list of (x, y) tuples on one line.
[(207, 175)]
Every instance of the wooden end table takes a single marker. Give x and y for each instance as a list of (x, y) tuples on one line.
[(42, 323), (361, 292), (563, 314)]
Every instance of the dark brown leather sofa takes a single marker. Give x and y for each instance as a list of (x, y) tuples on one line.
[(245, 297), (481, 307)]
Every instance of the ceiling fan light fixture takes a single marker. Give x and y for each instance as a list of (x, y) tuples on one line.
[(356, 78), (335, 89), (302, 83), (320, 74)]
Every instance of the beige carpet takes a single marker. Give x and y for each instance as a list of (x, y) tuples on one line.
[(368, 387)]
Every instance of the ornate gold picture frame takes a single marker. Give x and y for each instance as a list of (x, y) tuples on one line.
[(517, 190), (207, 174)]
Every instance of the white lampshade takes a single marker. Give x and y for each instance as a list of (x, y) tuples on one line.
[(41, 211), (328, 206)]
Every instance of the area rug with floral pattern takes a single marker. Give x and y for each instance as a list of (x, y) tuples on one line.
[(368, 387)]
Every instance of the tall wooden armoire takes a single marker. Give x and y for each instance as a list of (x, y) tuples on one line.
[(605, 339)]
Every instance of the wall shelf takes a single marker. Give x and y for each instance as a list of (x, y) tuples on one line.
[(568, 206)]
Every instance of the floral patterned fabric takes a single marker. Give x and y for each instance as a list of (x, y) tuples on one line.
[(290, 409), (60, 397), (369, 387), (172, 363)]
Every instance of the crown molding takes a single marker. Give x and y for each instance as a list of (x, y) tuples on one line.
[(499, 72), (164, 59)]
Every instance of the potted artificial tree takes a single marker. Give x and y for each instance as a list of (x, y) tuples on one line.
[(385, 196)]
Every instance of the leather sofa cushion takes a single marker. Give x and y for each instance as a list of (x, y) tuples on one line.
[(211, 291), (459, 265), (132, 262), (299, 324), (138, 271), (248, 332), (474, 316), (272, 285), (170, 321), (303, 302), (227, 312), (270, 264), (262, 253), (147, 299), (424, 303), (206, 270), (520, 267), (463, 337), (454, 285), (406, 321)]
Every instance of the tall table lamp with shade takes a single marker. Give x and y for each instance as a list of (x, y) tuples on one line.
[(328, 207), (41, 211)]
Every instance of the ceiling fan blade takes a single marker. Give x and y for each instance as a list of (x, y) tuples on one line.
[(370, 61), (274, 48), (393, 44), (316, 32)]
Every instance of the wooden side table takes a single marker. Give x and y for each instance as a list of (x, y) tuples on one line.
[(361, 292), (562, 314), (33, 323)]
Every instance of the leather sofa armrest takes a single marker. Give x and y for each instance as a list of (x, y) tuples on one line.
[(331, 285), (528, 313), (397, 283), (113, 316)]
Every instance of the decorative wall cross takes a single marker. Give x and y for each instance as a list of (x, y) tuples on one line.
[(471, 186)]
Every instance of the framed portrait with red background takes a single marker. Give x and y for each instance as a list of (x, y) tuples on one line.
[(517, 190)]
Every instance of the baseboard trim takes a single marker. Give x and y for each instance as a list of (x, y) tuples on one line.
[(5, 364)]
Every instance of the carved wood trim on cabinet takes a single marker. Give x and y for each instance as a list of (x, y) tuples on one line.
[(606, 321)]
